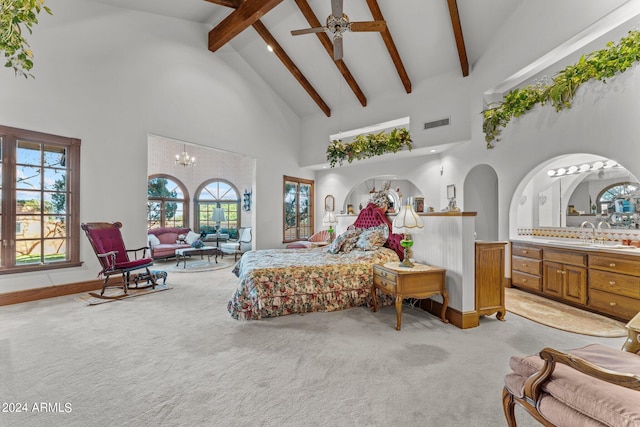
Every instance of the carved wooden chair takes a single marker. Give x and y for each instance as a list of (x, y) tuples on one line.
[(106, 241)]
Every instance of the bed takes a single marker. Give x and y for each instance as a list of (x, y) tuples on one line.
[(277, 282)]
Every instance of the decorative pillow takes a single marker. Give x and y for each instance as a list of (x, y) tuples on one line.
[(345, 238), (191, 237), (153, 240), (350, 240), (371, 239)]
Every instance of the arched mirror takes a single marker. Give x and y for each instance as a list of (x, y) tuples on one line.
[(576, 188)]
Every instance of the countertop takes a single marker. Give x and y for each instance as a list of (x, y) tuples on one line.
[(607, 247)]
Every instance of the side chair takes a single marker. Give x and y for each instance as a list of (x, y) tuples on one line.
[(108, 245)]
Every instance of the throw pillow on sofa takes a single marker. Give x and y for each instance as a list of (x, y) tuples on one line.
[(153, 240), (191, 237)]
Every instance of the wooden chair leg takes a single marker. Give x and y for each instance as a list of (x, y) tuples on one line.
[(508, 405)]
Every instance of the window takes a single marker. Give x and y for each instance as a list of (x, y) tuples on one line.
[(218, 193), (608, 195), (166, 202), (298, 209), (40, 205)]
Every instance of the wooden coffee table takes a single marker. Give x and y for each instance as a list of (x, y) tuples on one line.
[(205, 250)]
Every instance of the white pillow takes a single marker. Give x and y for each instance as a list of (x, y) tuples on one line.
[(153, 240), (191, 237)]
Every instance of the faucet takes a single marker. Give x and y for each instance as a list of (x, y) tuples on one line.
[(600, 224), (593, 227)]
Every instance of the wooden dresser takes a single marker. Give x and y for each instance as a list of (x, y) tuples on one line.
[(607, 282)]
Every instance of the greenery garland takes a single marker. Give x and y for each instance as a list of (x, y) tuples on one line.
[(599, 65), (365, 146), (14, 15)]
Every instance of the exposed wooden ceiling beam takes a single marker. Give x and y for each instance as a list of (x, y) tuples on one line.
[(282, 55), (391, 46), (306, 10), (457, 32), (293, 69), (229, 3), (246, 14)]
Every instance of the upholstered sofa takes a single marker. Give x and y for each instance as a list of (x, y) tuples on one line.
[(591, 386), (163, 241)]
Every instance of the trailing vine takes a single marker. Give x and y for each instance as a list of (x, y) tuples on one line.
[(15, 15), (365, 146), (598, 65)]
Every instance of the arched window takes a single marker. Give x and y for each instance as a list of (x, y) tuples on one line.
[(167, 202), (608, 195), (217, 193)]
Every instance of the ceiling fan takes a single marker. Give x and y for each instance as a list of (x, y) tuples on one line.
[(338, 23)]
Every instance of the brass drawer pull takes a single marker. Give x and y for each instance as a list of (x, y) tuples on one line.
[(613, 264), (612, 304), (525, 265), (612, 282), (564, 272), (559, 271), (525, 252), (524, 280)]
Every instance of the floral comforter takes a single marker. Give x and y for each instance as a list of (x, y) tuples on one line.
[(275, 282)]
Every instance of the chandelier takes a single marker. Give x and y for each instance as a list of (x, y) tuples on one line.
[(184, 159)]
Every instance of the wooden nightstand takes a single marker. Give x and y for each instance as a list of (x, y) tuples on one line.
[(420, 281)]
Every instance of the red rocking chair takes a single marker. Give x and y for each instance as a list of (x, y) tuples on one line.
[(107, 243)]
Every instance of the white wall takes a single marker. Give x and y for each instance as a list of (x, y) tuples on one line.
[(109, 77), (603, 120)]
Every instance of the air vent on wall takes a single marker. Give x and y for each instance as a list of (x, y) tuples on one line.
[(436, 123)]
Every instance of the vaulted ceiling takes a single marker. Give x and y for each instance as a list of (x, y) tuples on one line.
[(424, 38)]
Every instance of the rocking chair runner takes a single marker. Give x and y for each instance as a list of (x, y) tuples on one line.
[(106, 241)]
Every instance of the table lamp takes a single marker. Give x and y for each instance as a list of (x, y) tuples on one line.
[(407, 222), (218, 217), (329, 219)]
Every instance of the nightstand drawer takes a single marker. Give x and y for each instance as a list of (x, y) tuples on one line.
[(377, 271), (380, 281)]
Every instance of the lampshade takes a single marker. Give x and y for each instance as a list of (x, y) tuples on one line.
[(218, 215), (407, 221), (329, 219)]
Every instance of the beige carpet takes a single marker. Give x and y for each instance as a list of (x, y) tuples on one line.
[(195, 264), (177, 358), (561, 316), (91, 300)]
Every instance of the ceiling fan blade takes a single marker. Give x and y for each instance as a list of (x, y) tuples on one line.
[(368, 26), (307, 31), (337, 48), (336, 8)]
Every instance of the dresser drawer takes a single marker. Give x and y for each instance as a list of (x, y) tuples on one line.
[(615, 264), (616, 305), (389, 285), (524, 280), (384, 273), (616, 283), (565, 257), (526, 265), (526, 251)]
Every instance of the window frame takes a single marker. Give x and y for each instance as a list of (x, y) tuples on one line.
[(162, 200), (198, 204), (9, 138), (311, 197)]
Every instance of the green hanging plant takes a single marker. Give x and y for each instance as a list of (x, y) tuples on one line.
[(15, 16), (365, 146), (599, 65)]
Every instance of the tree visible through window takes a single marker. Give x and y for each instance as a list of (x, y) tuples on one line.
[(166, 202), (298, 209), (40, 212)]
